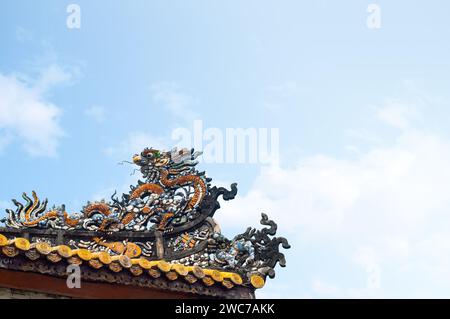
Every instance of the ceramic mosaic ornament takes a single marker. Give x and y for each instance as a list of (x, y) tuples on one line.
[(163, 225)]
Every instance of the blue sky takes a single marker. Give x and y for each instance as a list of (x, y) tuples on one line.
[(361, 187)]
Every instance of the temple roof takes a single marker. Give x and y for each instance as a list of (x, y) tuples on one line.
[(160, 235)]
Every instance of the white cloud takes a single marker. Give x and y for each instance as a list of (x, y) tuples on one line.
[(53, 75), (383, 210), (397, 114), (26, 115), (324, 288), (134, 144), (97, 113), (179, 104)]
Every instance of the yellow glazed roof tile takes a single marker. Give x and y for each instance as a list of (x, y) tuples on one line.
[(137, 266)]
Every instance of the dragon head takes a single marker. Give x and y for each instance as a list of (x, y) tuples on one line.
[(151, 158)]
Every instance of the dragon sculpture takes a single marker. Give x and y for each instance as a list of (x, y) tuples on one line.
[(173, 199), (169, 195)]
